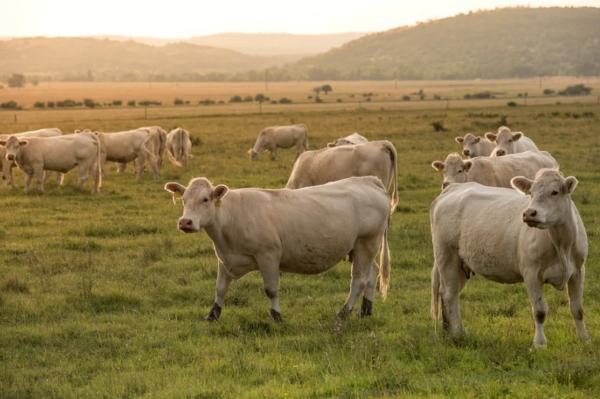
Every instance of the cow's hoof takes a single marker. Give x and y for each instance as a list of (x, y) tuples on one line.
[(214, 313), (344, 313), (276, 316), (367, 308)]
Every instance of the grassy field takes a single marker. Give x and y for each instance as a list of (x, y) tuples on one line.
[(101, 297)]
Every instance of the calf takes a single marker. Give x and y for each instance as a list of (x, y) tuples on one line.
[(507, 237), (508, 142), (475, 146), (276, 137), (306, 231), (493, 171)]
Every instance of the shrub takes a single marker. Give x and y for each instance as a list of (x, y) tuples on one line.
[(511, 104), (51, 104), (339, 100), (89, 103), (10, 105), (131, 103), (479, 96), (549, 92), (207, 101), (437, 97), (261, 97), (405, 98), (67, 103), (438, 126), (148, 103), (326, 88), (576, 90), (318, 100), (235, 99), (248, 99), (285, 100), (178, 101), (39, 104), (117, 103)]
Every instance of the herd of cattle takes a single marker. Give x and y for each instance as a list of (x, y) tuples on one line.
[(338, 202)]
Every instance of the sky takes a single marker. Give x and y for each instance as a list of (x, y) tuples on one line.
[(186, 18)]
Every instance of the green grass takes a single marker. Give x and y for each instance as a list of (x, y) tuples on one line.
[(101, 297)]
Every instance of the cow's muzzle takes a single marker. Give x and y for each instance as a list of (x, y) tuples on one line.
[(500, 153), (466, 152), (187, 226), (530, 218), (10, 157)]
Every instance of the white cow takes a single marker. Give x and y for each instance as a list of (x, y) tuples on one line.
[(374, 158), (7, 166), (306, 231), (475, 146), (34, 155), (275, 137), (179, 146), (508, 142), (136, 145), (351, 139), (160, 139), (493, 171), (507, 237)]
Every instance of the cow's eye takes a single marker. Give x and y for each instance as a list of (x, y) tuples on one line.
[(510, 140), (554, 192), (459, 171), (205, 200)]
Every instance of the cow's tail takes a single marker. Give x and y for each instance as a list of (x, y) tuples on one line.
[(385, 262), (394, 173), (435, 295), (98, 168), (177, 147)]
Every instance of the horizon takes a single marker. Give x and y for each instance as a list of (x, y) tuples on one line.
[(66, 18)]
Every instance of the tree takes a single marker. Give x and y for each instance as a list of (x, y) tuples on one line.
[(326, 88), (16, 80)]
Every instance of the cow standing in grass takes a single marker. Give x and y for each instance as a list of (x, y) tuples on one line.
[(508, 142), (507, 237), (475, 146), (306, 231), (276, 137), (179, 146), (351, 139)]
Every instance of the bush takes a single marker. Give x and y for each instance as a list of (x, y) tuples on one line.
[(318, 100), (51, 104), (178, 101), (89, 103), (405, 98), (148, 103), (261, 97), (339, 100), (438, 126), (511, 104), (39, 104), (248, 99), (479, 96), (437, 97), (549, 92), (10, 105), (131, 103), (235, 99), (576, 90), (117, 103), (207, 101), (285, 100), (68, 103)]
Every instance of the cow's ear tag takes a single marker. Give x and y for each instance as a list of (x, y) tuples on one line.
[(218, 202)]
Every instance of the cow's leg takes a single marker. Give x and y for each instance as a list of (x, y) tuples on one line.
[(140, 165), (268, 264), (452, 280), (28, 178), (575, 288), (60, 177), (39, 176), (273, 152), (367, 303), (83, 175), (363, 254), (155, 163), (223, 281), (535, 292), (121, 167)]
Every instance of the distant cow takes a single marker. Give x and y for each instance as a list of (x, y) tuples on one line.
[(136, 145), (374, 158), (34, 155), (493, 171), (475, 146), (508, 142), (179, 146), (507, 237), (351, 139), (7, 166), (160, 137), (306, 231), (276, 137)]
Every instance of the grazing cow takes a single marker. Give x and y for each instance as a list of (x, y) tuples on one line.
[(132, 145), (475, 146), (34, 155), (159, 135), (508, 142), (8, 166), (351, 139), (493, 171), (374, 158), (507, 237), (179, 146), (306, 231), (275, 137)]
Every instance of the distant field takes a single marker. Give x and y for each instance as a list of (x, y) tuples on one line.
[(101, 297)]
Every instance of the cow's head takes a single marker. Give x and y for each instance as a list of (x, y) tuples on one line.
[(469, 145), (200, 202), (550, 193), (505, 141), (454, 169), (13, 146), (253, 154)]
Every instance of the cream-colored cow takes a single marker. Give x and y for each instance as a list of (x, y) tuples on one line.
[(351, 139), (136, 145), (276, 137), (179, 147), (508, 142), (493, 171), (374, 158), (475, 146), (306, 231), (507, 237)]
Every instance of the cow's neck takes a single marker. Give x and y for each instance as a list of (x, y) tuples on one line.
[(563, 237), (217, 230)]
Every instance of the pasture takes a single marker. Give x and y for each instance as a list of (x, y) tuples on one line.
[(101, 297)]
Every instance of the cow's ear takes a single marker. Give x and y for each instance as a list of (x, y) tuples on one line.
[(477, 139), (459, 140), (23, 143), (467, 165), (176, 189), (522, 184), (219, 192), (517, 136), (2, 143), (490, 136), (570, 184), (438, 165)]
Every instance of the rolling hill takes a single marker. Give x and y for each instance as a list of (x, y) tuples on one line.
[(503, 43)]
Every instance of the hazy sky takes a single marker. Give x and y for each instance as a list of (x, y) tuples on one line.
[(184, 18)]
